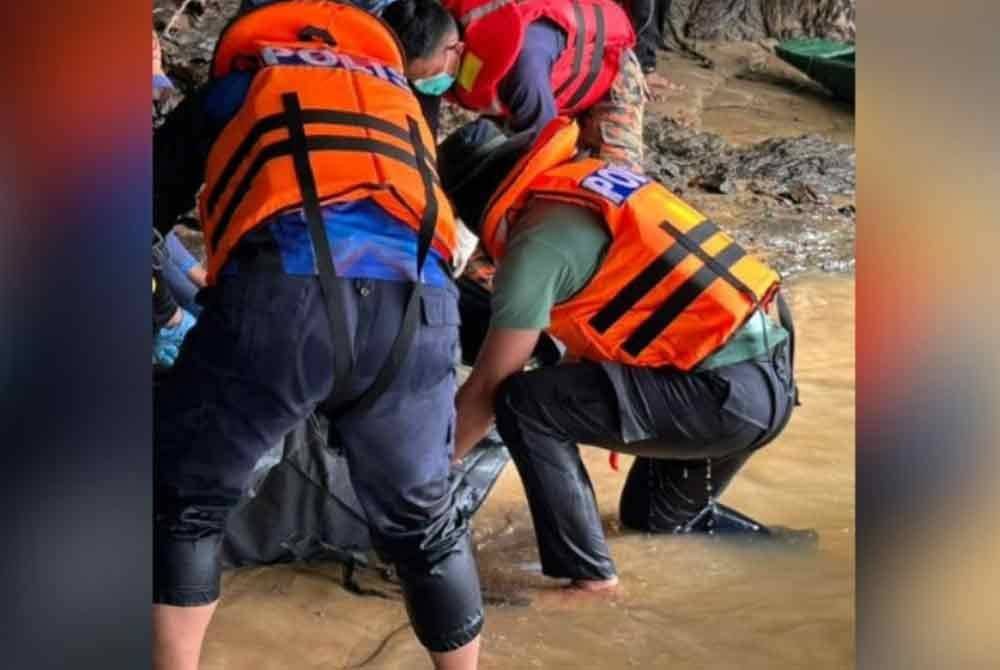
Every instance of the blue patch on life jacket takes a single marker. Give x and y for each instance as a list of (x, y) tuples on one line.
[(614, 183), (320, 56)]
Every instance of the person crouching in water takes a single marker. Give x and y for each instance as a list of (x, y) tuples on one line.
[(672, 355), (328, 287)]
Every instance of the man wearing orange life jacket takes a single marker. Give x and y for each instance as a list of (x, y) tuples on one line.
[(328, 242), (662, 314)]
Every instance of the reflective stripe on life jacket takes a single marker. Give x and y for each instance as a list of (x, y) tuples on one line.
[(361, 124), (672, 288), (597, 31)]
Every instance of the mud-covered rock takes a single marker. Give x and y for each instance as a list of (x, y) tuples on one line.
[(802, 168), (188, 31), (726, 20), (791, 200), (809, 162), (717, 182), (677, 155)]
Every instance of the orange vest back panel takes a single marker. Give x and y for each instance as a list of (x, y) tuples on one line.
[(351, 113), (672, 288)]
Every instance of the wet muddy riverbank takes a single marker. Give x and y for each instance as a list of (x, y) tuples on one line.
[(761, 149)]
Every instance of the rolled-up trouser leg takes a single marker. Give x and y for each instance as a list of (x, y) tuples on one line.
[(254, 366), (542, 415), (443, 600), (661, 495), (399, 454)]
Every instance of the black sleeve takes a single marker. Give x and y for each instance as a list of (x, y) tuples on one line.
[(180, 150)]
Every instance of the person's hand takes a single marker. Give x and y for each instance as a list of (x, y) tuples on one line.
[(198, 275), (467, 244), (157, 56), (161, 82), (167, 343)]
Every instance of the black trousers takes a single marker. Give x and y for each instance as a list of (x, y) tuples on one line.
[(647, 17), (683, 426)]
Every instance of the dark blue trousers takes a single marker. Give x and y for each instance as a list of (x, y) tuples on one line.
[(256, 365)]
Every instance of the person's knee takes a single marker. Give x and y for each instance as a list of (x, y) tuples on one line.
[(186, 544), (419, 530), (443, 599), (437, 572)]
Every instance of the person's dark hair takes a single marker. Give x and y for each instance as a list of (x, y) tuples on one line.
[(472, 163), (420, 25)]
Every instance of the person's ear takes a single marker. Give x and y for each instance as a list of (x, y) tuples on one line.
[(456, 63)]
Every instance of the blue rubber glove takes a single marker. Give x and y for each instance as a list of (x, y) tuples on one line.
[(167, 343)]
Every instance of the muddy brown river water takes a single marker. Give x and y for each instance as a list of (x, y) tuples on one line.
[(686, 602)]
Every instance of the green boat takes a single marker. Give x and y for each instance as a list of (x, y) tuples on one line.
[(828, 63)]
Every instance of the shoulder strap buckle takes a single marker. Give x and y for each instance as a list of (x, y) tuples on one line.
[(313, 33)]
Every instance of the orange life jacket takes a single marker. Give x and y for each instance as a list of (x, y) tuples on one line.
[(598, 32), (328, 93), (672, 288)]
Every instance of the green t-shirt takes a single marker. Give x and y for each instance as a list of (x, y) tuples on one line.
[(757, 336), (557, 249), (555, 252)]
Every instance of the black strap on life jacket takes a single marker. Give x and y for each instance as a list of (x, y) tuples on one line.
[(578, 47), (596, 57), (340, 402), (411, 316), (309, 116), (644, 282), (343, 358), (686, 245), (678, 301), (315, 142)]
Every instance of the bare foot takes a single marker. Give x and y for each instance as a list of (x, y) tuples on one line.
[(594, 585), (577, 593)]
